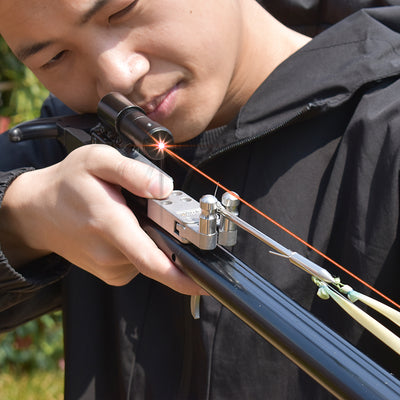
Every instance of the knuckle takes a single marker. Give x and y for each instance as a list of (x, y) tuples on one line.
[(102, 262), (129, 169), (124, 169), (117, 277), (118, 282), (94, 227), (111, 268)]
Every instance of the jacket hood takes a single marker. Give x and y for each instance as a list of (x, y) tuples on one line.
[(313, 16), (362, 49)]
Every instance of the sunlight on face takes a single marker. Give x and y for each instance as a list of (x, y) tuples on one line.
[(145, 49)]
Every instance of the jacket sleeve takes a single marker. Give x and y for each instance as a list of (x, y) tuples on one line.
[(36, 287)]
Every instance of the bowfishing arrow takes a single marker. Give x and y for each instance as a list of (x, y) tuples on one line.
[(321, 275)]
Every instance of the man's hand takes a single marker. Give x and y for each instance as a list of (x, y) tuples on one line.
[(75, 209)]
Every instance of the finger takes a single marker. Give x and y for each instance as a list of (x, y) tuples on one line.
[(139, 178), (143, 253), (115, 275)]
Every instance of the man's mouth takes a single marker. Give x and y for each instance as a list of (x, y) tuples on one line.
[(161, 106), (152, 105)]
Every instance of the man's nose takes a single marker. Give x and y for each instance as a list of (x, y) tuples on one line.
[(119, 71)]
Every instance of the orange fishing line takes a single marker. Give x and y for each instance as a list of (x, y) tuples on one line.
[(172, 154)]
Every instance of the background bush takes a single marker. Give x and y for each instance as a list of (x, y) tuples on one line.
[(24, 94), (36, 344)]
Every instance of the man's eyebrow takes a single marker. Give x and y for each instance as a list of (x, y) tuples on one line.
[(97, 6), (26, 51)]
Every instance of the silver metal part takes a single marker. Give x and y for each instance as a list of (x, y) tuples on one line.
[(253, 231), (308, 266), (227, 234), (295, 258), (190, 221), (180, 215), (208, 218), (195, 306)]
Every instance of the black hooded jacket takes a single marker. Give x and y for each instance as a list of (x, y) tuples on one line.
[(317, 149), (313, 16)]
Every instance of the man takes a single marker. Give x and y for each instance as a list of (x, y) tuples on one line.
[(306, 131)]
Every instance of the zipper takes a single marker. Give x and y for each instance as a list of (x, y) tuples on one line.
[(310, 107)]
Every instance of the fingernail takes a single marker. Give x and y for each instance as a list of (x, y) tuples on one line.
[(160, 186)]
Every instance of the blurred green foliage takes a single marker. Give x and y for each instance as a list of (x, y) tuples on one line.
[(24, 94), (38, 343)]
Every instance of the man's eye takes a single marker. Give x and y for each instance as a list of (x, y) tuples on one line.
[(57, 58), (122, 12)]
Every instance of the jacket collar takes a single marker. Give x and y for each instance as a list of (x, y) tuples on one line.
[(359, 50)]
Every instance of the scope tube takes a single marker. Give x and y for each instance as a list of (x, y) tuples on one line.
[(117, 112)]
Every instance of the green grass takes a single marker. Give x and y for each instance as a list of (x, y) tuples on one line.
[(34, 385), (31, 360)]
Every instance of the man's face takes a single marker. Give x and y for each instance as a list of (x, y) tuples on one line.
[(175, 58)]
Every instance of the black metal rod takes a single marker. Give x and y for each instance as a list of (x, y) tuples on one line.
[(36, 129), (325, 356)]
